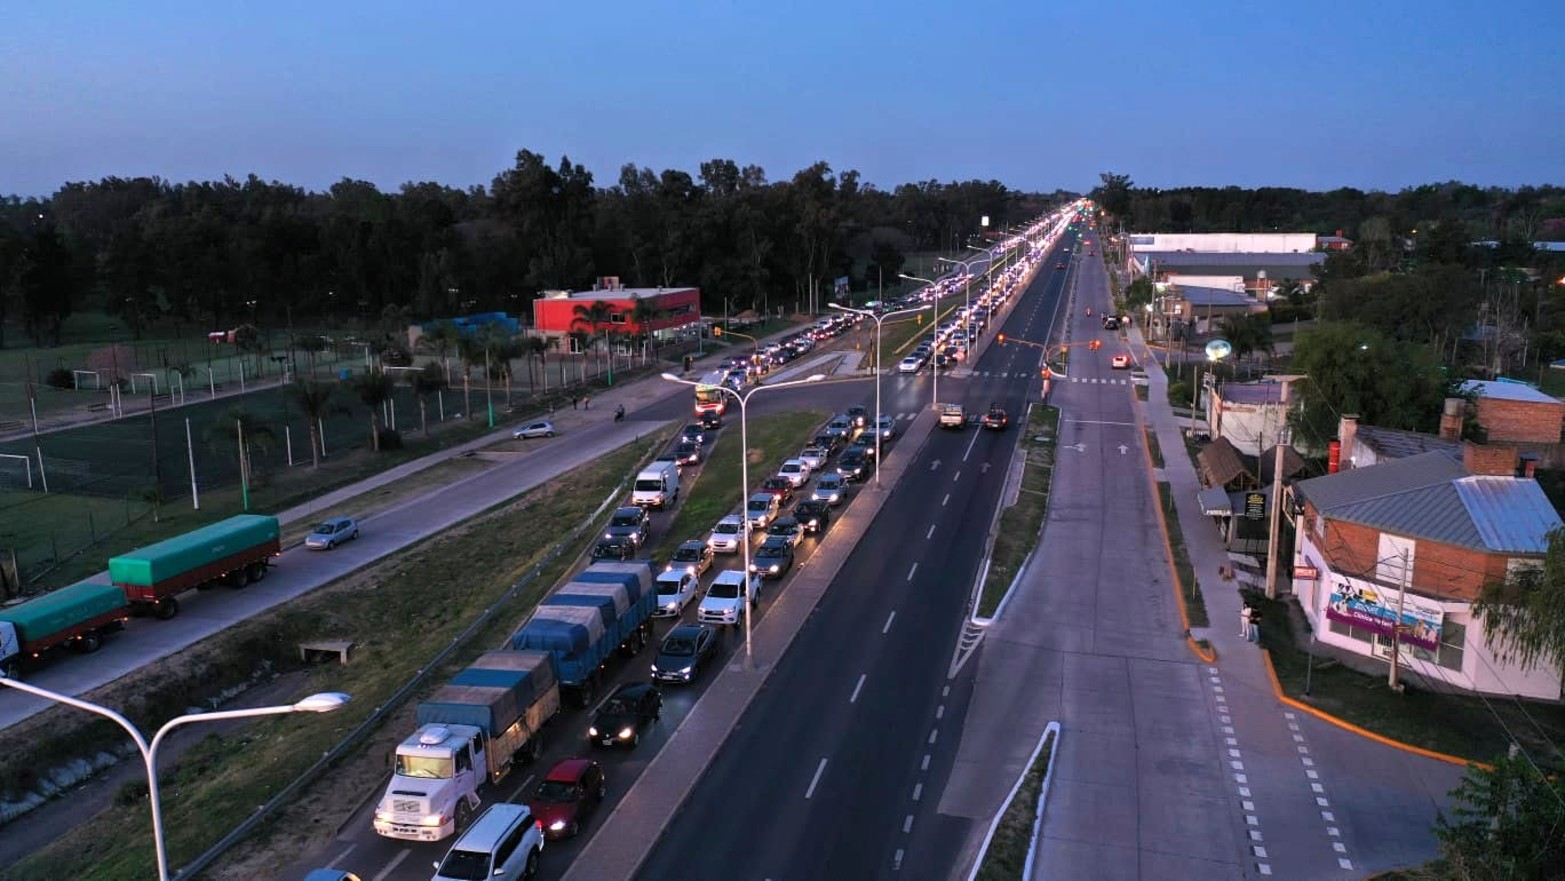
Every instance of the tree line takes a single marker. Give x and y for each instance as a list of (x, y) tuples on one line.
[(221, 253)]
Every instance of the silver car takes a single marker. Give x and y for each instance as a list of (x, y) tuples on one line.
[(541, 428), (331, 533)]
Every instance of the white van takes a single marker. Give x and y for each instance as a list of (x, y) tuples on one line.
[(657, 486), (502, 844)]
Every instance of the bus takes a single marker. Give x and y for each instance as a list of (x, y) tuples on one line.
[(710, 394)]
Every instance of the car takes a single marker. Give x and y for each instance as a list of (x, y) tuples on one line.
[(1110, 322), (865, 444), (858, 416), (840, 427), (693, 434), (779, 486), (693, 556), (335, 875), (620, 719), (996, 419), (1060, 265), (814, 457), (831, 443), (676, 588), (501, 845), (786, 527), (1120, 362), (814, 515), (711, 421), (619, 548), (540, 428), (726, 535), (854, 465), (887, 427), (568, 796), (795, 471), (632, 522), (330, 533), (773, 558), (762, 508), (832, 489), (669, 458), (687, 453), (910, 364), (684, 650), (725, 598)]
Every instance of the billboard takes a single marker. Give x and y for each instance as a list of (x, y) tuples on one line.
[(1369, 606)]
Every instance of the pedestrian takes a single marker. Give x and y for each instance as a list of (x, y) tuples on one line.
[(586, 402), (1255, 626), (574, 400), (1244, 621)]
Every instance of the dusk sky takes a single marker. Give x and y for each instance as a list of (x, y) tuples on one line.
[(1037, 95)]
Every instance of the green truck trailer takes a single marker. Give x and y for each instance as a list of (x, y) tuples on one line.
[(77, 616), (235, 552)]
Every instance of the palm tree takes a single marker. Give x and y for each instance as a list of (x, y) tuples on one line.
[(1247, 334), (441, 339), (594, 315), (426, 382), (644, 313), (503, 350), (470, 350), (314, 399), (580, 338), (531, 347), (312, 345), (243, 429), (374, 389)]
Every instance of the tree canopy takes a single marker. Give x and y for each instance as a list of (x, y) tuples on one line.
[(1356, 369)]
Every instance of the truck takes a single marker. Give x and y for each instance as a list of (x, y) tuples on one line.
[(470, 733), (952, 416), (78, 616), (657, 486), (579, 633), (235, 551)]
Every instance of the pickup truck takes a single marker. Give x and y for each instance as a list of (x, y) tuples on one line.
[(952, 416), (725, 600)]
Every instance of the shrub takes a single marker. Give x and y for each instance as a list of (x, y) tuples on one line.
[(60, 377), (390, 439)]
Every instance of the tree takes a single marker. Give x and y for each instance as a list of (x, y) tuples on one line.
[(47, 284), (1248, 333), (1504, 824), (1113, 194), (1139, 292), (1355, 369), (470, 351), (374, 390), (643, 314), (244, 430), (314, 400), (311, 344), (1524, 614), (426, 382)]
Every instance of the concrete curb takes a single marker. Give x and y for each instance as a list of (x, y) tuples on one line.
[(1052, 729), (978, 593)]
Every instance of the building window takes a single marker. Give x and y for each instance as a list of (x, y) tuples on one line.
[(1349, 631), (1453, 644), (616, 318), (575, 345)]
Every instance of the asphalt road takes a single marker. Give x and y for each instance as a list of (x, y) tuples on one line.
[(835, 774)]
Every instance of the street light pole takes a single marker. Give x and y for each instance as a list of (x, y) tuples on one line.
[(934, 318), (324, 702), (877, 319), (744, 489)]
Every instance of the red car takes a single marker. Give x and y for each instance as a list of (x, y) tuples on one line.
[(568, 795), (1060, 265), (781, 487)]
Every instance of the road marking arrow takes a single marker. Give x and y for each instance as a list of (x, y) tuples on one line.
[(933, 465), (983, 468), (1123, 449), (1080, 448)]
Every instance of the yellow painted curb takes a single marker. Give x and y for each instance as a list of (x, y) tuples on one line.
[(1271, 674)]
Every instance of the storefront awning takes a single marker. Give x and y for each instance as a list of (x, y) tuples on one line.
[(1215, 502)]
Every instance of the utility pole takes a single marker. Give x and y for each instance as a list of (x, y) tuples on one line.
[(1272, 550), (1396, 627)]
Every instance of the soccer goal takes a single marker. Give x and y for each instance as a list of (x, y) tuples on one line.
[(97, 378), (8, 467)]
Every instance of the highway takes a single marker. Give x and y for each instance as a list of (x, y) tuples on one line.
[(836, 771)]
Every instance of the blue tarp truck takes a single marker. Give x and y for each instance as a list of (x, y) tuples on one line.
[(581, 627)]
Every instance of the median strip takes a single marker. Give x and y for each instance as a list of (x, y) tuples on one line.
[(1020, 527)]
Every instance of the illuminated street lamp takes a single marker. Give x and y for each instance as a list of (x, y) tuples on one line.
[(877, 319), (934, 321)]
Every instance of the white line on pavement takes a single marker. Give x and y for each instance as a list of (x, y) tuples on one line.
[(816, 779), (854, 698), (339, 858), (911, 571), (918, 791), (889, 618), (940, 711), (970, 447), (522, 786), (946, 499), (956, 477), (933, 733), (391, 866), (925, 765), (931, 532), (907, 824)]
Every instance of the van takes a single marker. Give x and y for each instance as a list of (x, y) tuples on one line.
[(502, 844), (657, 486), (762, 509)]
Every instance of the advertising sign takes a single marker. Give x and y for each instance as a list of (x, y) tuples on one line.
[(1369, 606), (1255, 505)]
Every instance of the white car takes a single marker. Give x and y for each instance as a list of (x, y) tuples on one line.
[(795, 472), (831, 489), (723, 603), (676, 588), (910, 364), (541, 428), (726, 535), (814, 457)]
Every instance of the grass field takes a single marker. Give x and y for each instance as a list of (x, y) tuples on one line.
[(1021, 524), (400, 613)]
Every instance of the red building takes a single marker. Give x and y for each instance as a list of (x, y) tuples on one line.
[(557, 313)]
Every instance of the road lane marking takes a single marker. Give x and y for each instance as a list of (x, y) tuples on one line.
[(391, 866), (816, 779), (940, 711), (945, 692), (907, 824), (925, 765), (946, 499), (524, 784), (339, 858), (855, 697), (890, 618), (933, 733), (911, 571), (918, 791), (955, 477), (931, 533), (896, 861), (970, 447)]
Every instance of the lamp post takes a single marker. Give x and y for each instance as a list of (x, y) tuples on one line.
[(877, 319), (934, 320), (324, 702), (967, 289), (744, 489)]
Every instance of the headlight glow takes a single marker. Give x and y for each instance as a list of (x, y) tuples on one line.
[(432, 820), (557, 826), (626, 733), (592, 731)]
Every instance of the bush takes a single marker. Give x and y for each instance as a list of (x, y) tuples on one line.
[(390, 439), (60, 377), (131, 792), (1284, 312), (1179, 393)]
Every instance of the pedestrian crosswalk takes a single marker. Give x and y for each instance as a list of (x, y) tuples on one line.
[(1026, 374)]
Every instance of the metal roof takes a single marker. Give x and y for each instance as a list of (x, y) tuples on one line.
[(1508, 391), (1511, 514), (1232, 258), (1197, 295), (1395, 443), (1250, 392), (1355, 485)]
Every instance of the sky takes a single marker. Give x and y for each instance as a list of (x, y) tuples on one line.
[(1036, 94)]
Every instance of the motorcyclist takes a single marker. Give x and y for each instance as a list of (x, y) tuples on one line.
[(619, 413)]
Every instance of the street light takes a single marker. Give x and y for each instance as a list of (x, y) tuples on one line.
[(934, 321), (323, 702), (877, 319), (744, 490)]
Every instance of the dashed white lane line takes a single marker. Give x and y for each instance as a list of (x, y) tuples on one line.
[(955, 477), (392, 866), (1252, 819), (889, 618), (854, 698), (931, 533), (945, 500), (816, 779), (933, 733), (1333, 833), (907, 823), (924, 766), (342, 857), (911, 571), (918, 791)]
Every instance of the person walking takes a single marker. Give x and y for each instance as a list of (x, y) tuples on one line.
[(575, 399), (586, 402), (1255, 626), (1244, 621)]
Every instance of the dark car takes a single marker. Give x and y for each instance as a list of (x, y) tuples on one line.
[(567, 796), (619, 548), (854, 465), (687, 453), (786, 527), (781, 487), (694, 434), (683, 651), (773, 558), (628, 711), (1060, 265), (694, 556), (864, 443), (629, 522), (711, 421), (996, 419), (814, 515), (858, 416), (831, 443)]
